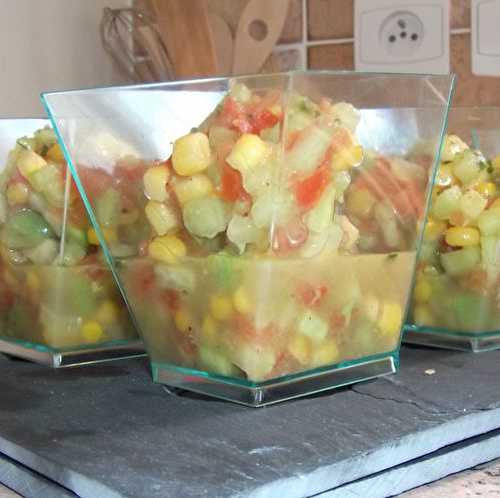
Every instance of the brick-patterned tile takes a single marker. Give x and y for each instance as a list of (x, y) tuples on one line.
[(330, 19), (338, 56), (285, 60), (471, 89)]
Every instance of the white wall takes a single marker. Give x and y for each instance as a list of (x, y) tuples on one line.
[(50, 45)]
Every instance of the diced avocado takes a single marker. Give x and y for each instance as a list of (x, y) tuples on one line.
[(26, 229), (462, 261)]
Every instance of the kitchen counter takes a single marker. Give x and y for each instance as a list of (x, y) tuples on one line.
[(107, 431)]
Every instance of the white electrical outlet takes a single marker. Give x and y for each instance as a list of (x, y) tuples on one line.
[(402, 36), (485, 35)]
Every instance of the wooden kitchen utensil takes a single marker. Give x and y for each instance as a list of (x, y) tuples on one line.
[(185, 30), (264, 16), (223, 40)]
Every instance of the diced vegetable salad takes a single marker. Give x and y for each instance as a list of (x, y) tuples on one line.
[(268, 243), (457, 285), (55, 289)]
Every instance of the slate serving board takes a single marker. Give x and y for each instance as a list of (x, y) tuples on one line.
[(107, 431)]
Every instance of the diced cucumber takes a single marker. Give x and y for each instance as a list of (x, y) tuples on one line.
[(220, 135), (312, 326), (77, 235), (175, 277), (205, 216), (466, 167), (308, 152), (215, 361), (49, 181), (472, 204), (472, 311), (242, 231), (222, 269), (26, 229), (44, 253), (489, 222), (462, 261), (320, 217), (108, 208), (45, 137), (272, 135), (73, 253), (256, 363), (447, 202)]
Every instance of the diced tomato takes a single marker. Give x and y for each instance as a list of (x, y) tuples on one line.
[(264, 119), (6, 300), (231, 184), (337, 321), (18, 178), (309, 190), (341, 138), (78, 215), (171, 299), (233, 115), (292, 139), (143, 279), (132, 174), (477, 281), (311, 296), (288, 238), (95, 181), (406, 197)]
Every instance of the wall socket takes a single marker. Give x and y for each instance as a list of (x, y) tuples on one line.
[(485, 36), (402, 36)]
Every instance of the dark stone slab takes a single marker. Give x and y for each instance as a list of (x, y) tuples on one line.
[(27, 483), (107, 431)]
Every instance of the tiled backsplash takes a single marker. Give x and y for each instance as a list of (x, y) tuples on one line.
[(318, 34)]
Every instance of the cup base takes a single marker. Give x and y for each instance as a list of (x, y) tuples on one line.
[(475, 342), (72, 357), (258, 394)]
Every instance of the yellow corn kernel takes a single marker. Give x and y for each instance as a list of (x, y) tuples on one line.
[(423, 316), (221, 307), (391, 318), (360, 203), (241, 301), (167, 249), (92, 331), (371, 307), (191, 154), (17, 194), (496, 162), (110, 236), (155, 182), (107, 313), (487, 189), (462, 236), (325, 353), (300, 348), (32, 281), (161, 217), (495, 204), (434, 229), (28, 162), (347, 157), (248, 152), (129, 217), (276, 110), (423, 291), (192, 187), (55, 154), (183, 320), (209, 330)]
